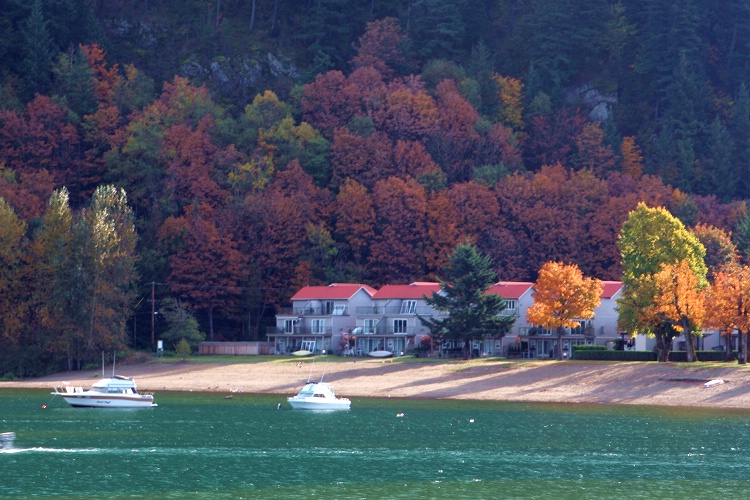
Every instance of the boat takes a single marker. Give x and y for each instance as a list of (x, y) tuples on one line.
[(6, 440), (318, 396), (302, 353), (115, 392), (380, 354)]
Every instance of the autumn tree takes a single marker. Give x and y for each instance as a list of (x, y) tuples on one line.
[(397, 248), (473, 314), (382, 46), (563, 297), (206, 267), (679, 301), (720, 250), (632, 158), (354, 222), (105, 241), (13, 271), (650, 239), (728, 307), (54, 290)]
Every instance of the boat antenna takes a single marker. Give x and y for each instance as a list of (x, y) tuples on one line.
[(114, 355), (309, 375), (325, 366), (102, 364)]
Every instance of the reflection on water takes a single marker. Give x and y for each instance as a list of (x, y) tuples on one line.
[(200, 445)]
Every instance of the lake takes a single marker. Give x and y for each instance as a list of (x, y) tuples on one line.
[(203, 446)]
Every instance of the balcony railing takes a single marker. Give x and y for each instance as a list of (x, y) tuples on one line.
[(299, 330)]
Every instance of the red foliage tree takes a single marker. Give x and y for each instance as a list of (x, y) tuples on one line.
[(191, 165), (355, 219), (454, 142), (397, 250), (39, 148), (324, 104), (363, 159), (551, 138), (206, 267), (382, 47)]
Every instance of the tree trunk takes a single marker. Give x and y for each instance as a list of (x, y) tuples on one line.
[(467, 347), (662, 346), (558, 347), (741, 347), (275, 19), (690, 345), (252, 17), (728, 347)]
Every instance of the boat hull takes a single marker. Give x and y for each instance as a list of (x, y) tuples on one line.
[(380, 354), (306, 404), (101, 401)]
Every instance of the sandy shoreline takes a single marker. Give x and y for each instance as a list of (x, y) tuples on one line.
[(542, 381)]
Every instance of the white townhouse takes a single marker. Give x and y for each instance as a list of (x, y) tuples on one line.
[(319, 318), (517, 295), (356, 319), (391, 323)]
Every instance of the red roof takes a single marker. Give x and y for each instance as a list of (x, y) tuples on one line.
[(414, 290), (512, 290), (334, 291), (610, 288)]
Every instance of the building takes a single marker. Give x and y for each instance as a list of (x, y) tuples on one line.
[(355, 319), (319, 318)]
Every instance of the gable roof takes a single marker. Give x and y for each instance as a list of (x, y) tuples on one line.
[(610, 288), (334, 291), (512, 290), (416, 290)]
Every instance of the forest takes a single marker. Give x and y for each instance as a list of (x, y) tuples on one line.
[(196, 162)]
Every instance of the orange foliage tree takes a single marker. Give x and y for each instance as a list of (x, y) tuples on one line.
[(562, 297), (680, 301), (728, 306)]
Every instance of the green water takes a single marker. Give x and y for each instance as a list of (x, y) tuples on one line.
[(198, 445)]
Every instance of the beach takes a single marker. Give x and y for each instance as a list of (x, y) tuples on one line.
[(665, 384)]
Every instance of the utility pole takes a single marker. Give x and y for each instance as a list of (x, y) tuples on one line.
[(153, 315)]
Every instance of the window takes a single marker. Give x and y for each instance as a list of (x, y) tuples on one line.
[(510, 308), (289, 325), (339, 309), (369, 326), (399, 326), (328, 307), (409, 307), (318, 326)]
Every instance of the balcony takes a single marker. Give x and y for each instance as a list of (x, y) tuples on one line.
[(299, 330), (321, 311)]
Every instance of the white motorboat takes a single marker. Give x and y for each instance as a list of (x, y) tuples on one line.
[(318, 396), (380, 354), (115, 392)]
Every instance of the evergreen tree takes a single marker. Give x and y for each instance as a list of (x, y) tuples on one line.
[(39, 52), (436, 29), (473, 314), (739, 129)]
